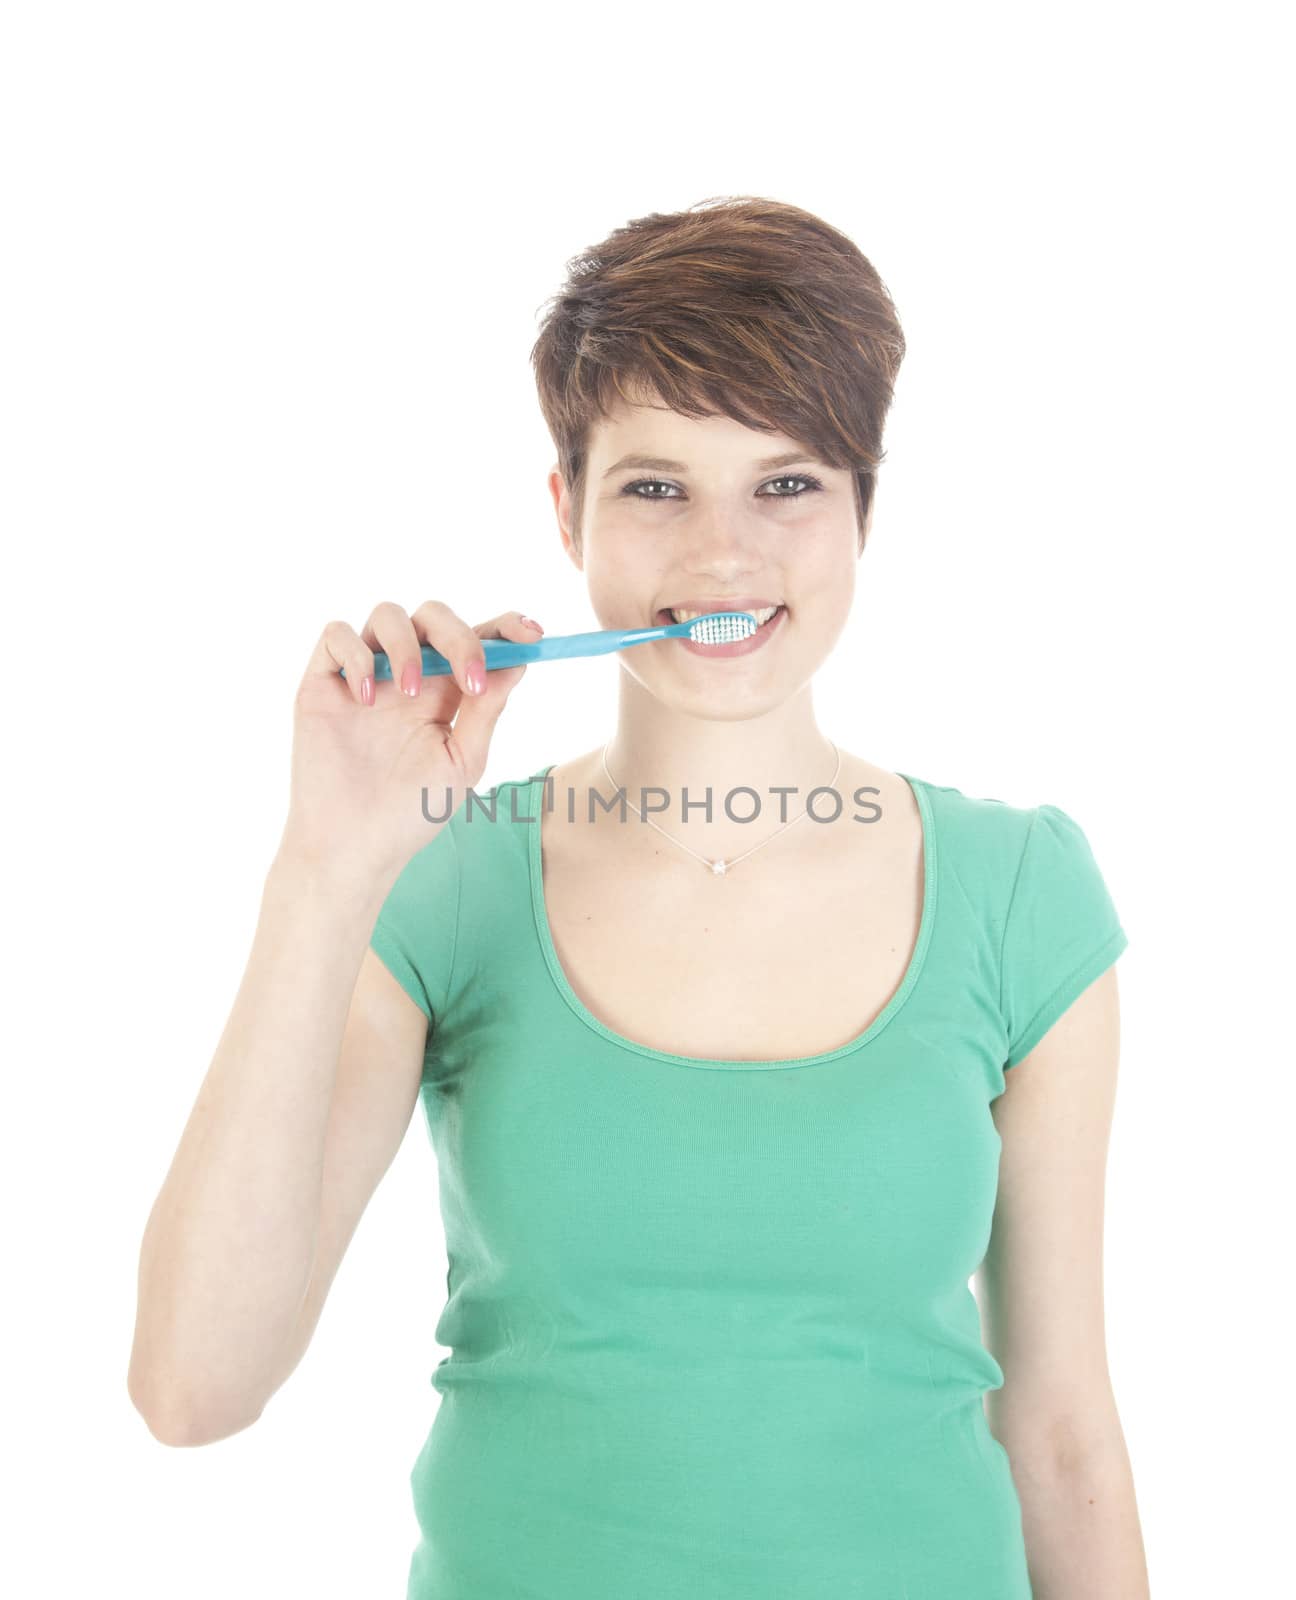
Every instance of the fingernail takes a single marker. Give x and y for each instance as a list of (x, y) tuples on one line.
[(410, 677), (476, 676), (367, 689), (532, 623)]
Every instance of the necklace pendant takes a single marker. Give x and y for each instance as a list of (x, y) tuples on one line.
[(719, 868)]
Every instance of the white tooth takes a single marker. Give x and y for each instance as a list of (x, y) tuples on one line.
[(762, 616)]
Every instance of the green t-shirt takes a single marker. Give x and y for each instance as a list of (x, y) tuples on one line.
[(711, 1326)]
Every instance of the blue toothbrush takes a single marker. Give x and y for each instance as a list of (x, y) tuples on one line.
[(716, 627)]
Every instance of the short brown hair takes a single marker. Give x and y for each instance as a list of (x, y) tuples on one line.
[(739, 306)]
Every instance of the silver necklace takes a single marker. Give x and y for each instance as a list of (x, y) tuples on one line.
[(718, 866)]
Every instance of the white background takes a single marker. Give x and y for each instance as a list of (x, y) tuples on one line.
[(273, 274)]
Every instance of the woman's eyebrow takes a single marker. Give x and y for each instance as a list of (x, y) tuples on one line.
[(661, 464)]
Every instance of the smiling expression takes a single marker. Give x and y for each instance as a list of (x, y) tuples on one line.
[(687, 514)]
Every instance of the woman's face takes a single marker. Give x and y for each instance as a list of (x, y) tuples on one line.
[(710, 515)]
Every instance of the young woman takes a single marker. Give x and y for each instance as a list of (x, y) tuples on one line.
[(741, 1055)]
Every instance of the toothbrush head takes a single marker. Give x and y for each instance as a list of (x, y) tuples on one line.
[(722, 627)]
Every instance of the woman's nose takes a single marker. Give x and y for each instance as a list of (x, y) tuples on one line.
[(723, 535)]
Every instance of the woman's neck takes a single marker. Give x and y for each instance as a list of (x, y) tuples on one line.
[(667, 754)]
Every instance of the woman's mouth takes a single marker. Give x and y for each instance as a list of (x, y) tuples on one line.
[(740, 647)]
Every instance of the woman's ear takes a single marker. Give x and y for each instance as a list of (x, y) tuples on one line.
[(563, 509)]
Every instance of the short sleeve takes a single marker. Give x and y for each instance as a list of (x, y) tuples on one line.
[(1061, 930), (417, 927)]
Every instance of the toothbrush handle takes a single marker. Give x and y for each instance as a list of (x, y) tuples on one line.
[(512, 653)]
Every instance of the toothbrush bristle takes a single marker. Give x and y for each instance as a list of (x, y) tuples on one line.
[(722, 627)]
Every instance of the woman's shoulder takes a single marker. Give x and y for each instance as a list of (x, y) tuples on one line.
[(492, 819), (1019, 850), (982, 839), (957, 813), (983, 818)]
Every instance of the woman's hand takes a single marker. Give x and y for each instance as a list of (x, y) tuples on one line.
[(363, 753)]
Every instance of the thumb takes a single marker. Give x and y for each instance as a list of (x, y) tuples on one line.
[(478, 714)]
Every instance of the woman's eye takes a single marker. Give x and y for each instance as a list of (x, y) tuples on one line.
[(647, 483), (811, 484)]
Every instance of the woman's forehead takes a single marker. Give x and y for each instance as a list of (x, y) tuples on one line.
[(657, 436)]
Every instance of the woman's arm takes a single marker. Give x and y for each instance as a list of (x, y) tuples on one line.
[(317, 1071), (1041, 1295), (302, 1109)]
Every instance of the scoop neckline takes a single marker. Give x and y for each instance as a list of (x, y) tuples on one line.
[(888, 1014)]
